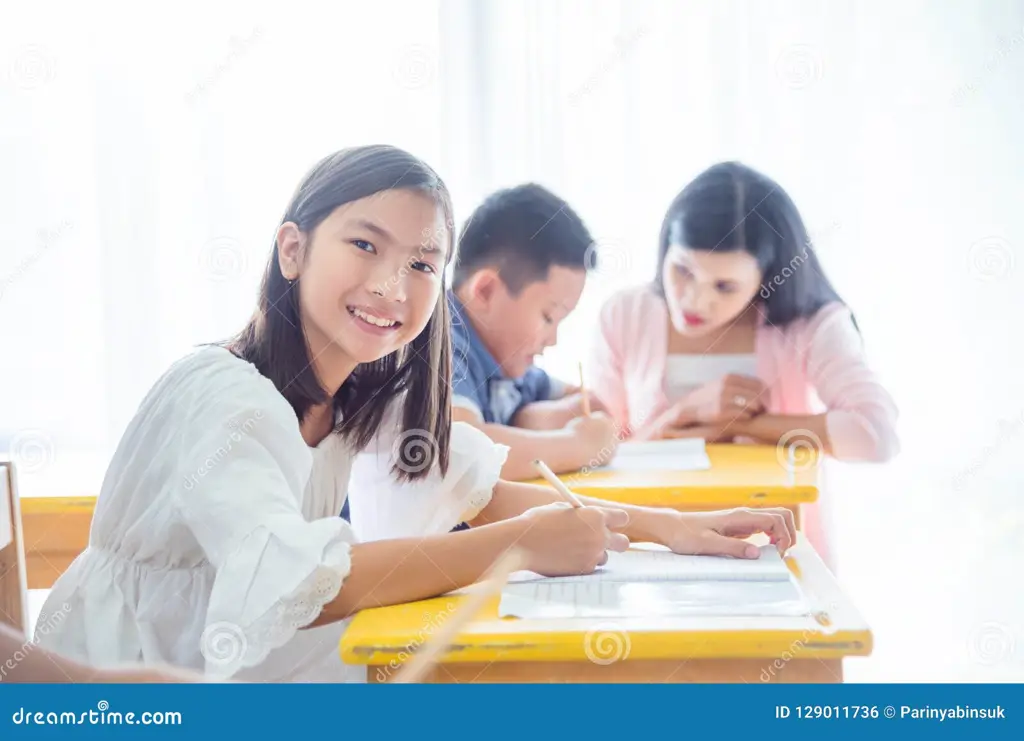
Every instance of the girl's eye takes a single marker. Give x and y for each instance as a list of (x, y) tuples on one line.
[(363, 245), (424, 267), (725, 287)]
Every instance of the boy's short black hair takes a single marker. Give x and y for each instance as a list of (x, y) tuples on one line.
[(523, 231)]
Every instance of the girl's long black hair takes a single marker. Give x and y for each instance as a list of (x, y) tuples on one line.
[(731, 206), (274, 340)]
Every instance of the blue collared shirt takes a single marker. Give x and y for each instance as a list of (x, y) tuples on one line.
[(478, 382)]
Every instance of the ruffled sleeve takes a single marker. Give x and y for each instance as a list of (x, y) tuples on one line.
[(383, 508), (241, 498)]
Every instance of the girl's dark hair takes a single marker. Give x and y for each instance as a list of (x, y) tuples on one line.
[(274, 340), (729, 207)]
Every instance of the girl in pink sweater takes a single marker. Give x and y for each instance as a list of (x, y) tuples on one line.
[(741, 337)]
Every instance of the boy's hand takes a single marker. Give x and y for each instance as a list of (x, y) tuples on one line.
[(596, 436)]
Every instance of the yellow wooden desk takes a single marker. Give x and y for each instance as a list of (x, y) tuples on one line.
[(684, 650), (740, 476)]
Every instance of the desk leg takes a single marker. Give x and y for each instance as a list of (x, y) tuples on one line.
[(713, 671)]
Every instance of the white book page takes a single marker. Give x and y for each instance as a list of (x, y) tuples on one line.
[(660, 455)]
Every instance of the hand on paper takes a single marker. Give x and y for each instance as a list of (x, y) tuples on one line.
[(560, 540), (596, 437), (723, 533)]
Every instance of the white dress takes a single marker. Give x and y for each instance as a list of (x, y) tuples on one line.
[(217, 533)]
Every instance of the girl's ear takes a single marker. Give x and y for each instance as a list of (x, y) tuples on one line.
[(290, 245)]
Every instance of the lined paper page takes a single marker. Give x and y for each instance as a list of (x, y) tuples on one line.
[(649, 566), (660, 455), (547, 599)]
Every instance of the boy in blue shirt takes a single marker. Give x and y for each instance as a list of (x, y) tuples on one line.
[(520, 269)]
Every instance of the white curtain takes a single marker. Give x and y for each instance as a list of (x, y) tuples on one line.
[(146, 158)]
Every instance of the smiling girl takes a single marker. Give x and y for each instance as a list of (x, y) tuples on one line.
[(741, 335), (216, 542)]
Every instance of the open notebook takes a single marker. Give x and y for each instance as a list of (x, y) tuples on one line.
[(660, 583), (660, 455)]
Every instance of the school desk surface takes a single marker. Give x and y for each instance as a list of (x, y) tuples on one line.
[(655, 649), (740, 476)]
